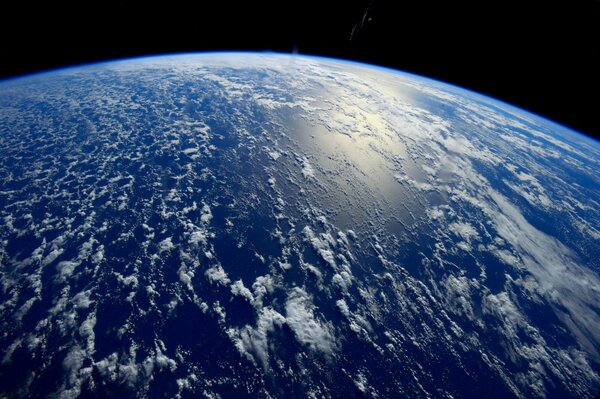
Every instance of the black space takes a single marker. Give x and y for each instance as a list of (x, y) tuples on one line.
[(539, 55)]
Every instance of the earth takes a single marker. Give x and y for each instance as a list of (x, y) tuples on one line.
[(238, 225)]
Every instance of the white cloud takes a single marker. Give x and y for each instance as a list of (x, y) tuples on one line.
[(198, 236), (216, 274), (253, 341), (308, 329), (343, 307), (321, 244), (307, 169), (51, 257), (157, 360), (206, 215), (342, 279), (165, 245), (86, 330), (185, 276), (262, 286), (464, 230), (66, 268), (238, 289), (561, 279)]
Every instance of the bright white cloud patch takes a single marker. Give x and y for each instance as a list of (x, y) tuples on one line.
[(166, 245), (216, 274), (238, 289), (308, 329), (253, 341)]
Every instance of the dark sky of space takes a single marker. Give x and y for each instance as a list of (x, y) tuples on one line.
[(543, 56)]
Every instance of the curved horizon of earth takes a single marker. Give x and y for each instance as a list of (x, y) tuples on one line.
[(256, 225)]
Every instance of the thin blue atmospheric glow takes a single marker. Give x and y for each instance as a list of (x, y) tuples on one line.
[(484, 97)]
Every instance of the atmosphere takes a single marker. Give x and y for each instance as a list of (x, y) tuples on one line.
[(541, 56)]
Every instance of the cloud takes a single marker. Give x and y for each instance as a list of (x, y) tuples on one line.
[(307, 169), (165, 245), (216, 274), (307, 328), (253, 341), (206, 215), (239, 289), (569, 286), (321, 245)]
